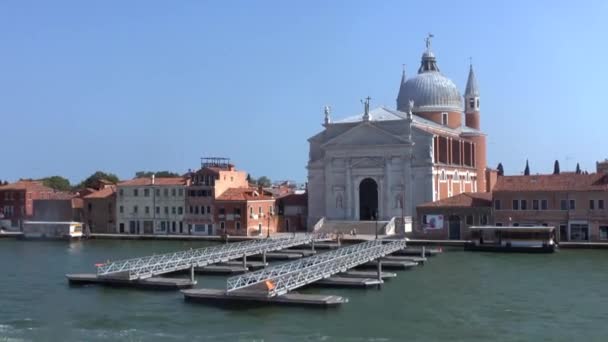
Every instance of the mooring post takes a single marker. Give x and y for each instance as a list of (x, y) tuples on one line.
[(379, 269), (264, 258), (423, 251), (192, 273), (244, 260)]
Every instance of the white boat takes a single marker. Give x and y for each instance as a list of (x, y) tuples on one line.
[(52, 230), (532, 239)]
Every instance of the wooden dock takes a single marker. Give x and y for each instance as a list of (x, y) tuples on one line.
[(391, 265), (417, 251), (367, 274), (221, 269), (337, 281), (154, 283), (419, 260), (219, 297)]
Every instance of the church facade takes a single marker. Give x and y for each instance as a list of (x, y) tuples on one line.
[(384, 162)]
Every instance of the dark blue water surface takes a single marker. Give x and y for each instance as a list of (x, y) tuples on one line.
[(458, 295)]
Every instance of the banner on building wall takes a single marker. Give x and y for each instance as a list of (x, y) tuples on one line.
[(434, 222)]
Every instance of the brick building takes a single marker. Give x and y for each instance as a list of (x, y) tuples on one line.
[(151, 205), (100, 210), (215, 177), (292, 212), (246, 211), (17, 201), (575, 204), (449, 218)]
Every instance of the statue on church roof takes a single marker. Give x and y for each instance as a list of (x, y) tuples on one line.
[(327, 112)]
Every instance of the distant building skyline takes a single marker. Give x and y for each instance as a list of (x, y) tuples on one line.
[(119, 87)]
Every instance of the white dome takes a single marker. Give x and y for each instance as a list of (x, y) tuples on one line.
[(431, 91)]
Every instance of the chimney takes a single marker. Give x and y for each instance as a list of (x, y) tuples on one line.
[(602, 166), (152, 179)]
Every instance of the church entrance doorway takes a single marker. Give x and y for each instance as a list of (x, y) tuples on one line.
[(368, 200), (454, 230)]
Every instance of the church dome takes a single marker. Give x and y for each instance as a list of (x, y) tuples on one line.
[(430, 90)]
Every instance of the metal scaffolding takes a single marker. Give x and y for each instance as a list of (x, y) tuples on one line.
[(145, 267), (290, 276)]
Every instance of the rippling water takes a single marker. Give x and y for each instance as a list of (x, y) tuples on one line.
[(456, 296)]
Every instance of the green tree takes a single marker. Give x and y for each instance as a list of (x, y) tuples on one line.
[(249, 179), (556, 167), (578, 169), (93, 179), (500, 169), (264, 181), (147, 174), (527, 169), (57, 182)]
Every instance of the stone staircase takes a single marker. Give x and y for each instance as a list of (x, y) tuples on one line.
[(361, 227)]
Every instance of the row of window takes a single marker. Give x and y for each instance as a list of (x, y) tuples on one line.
[(200, 193), (238, 225), (443, 177), (195, 210), (110, 207), (469, 219), (174, 210), (564, 204), (135, 227), (146, 192), (203, 180), (9, 210), (9, 196)]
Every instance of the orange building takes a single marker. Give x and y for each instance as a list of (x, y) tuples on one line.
[(575, 204), (17, 200), (215, 177), (246, 211)]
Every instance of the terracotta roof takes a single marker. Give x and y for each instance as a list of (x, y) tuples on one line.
[(561, 182), (29, 185), (463, 200), (244, 194), (103, 193), (157, 181), (295, 199)]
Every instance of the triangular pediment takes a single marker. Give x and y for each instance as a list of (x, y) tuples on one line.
[(365, 134)]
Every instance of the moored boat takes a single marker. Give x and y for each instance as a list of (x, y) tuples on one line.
[(52, 230), (532, 239)]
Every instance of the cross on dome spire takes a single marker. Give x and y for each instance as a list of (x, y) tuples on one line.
[(428, 41), (428, 62)]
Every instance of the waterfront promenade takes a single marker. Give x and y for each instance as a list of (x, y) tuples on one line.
[(345, 239)]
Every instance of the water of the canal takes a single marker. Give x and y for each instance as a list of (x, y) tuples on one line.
[(456, 296)]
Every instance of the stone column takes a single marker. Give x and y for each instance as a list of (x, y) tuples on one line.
[(348, 206), (387, 194)]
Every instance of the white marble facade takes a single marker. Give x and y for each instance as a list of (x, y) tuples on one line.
[(384, 146)]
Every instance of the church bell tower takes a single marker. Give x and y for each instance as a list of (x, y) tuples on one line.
[(471, 101)]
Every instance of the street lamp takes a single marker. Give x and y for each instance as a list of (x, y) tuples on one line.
[(268, 227)]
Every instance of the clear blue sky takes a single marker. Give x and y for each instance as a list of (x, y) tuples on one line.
[(123, 86)]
